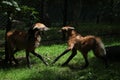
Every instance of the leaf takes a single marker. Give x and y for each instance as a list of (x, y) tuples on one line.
[(11, 3), (16, 5), (7, 3)]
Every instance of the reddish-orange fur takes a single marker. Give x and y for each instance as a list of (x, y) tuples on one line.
[(18, 40), (83, 44)]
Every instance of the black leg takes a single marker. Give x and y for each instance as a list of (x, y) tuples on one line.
[(86, 60), (74, 52), (39, 56), (67, 50), (10, 55), (10, 59), (27, 57)]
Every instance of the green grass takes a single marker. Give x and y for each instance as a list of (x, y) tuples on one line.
[(95, 71), (51, 46)]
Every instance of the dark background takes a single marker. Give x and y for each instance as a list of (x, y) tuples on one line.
[(63, 12)]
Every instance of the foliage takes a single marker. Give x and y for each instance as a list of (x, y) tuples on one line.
[(28, 14), (94, 11), (8, 9), (10, 6)]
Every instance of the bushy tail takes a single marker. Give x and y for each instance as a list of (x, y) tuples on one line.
[(99, 50)]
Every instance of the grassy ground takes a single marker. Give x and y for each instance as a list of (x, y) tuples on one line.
[(95, 71), (51, 47)]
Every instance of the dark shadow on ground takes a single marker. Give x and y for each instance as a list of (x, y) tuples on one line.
[(113, 53), (4, 65), (95, 71), (22, 63)]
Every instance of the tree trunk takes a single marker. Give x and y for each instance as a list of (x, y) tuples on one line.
[(111, 15), (42, 9), (8, 27), (65, 12)]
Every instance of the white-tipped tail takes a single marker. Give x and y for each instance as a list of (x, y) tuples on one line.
[(101, 47)]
